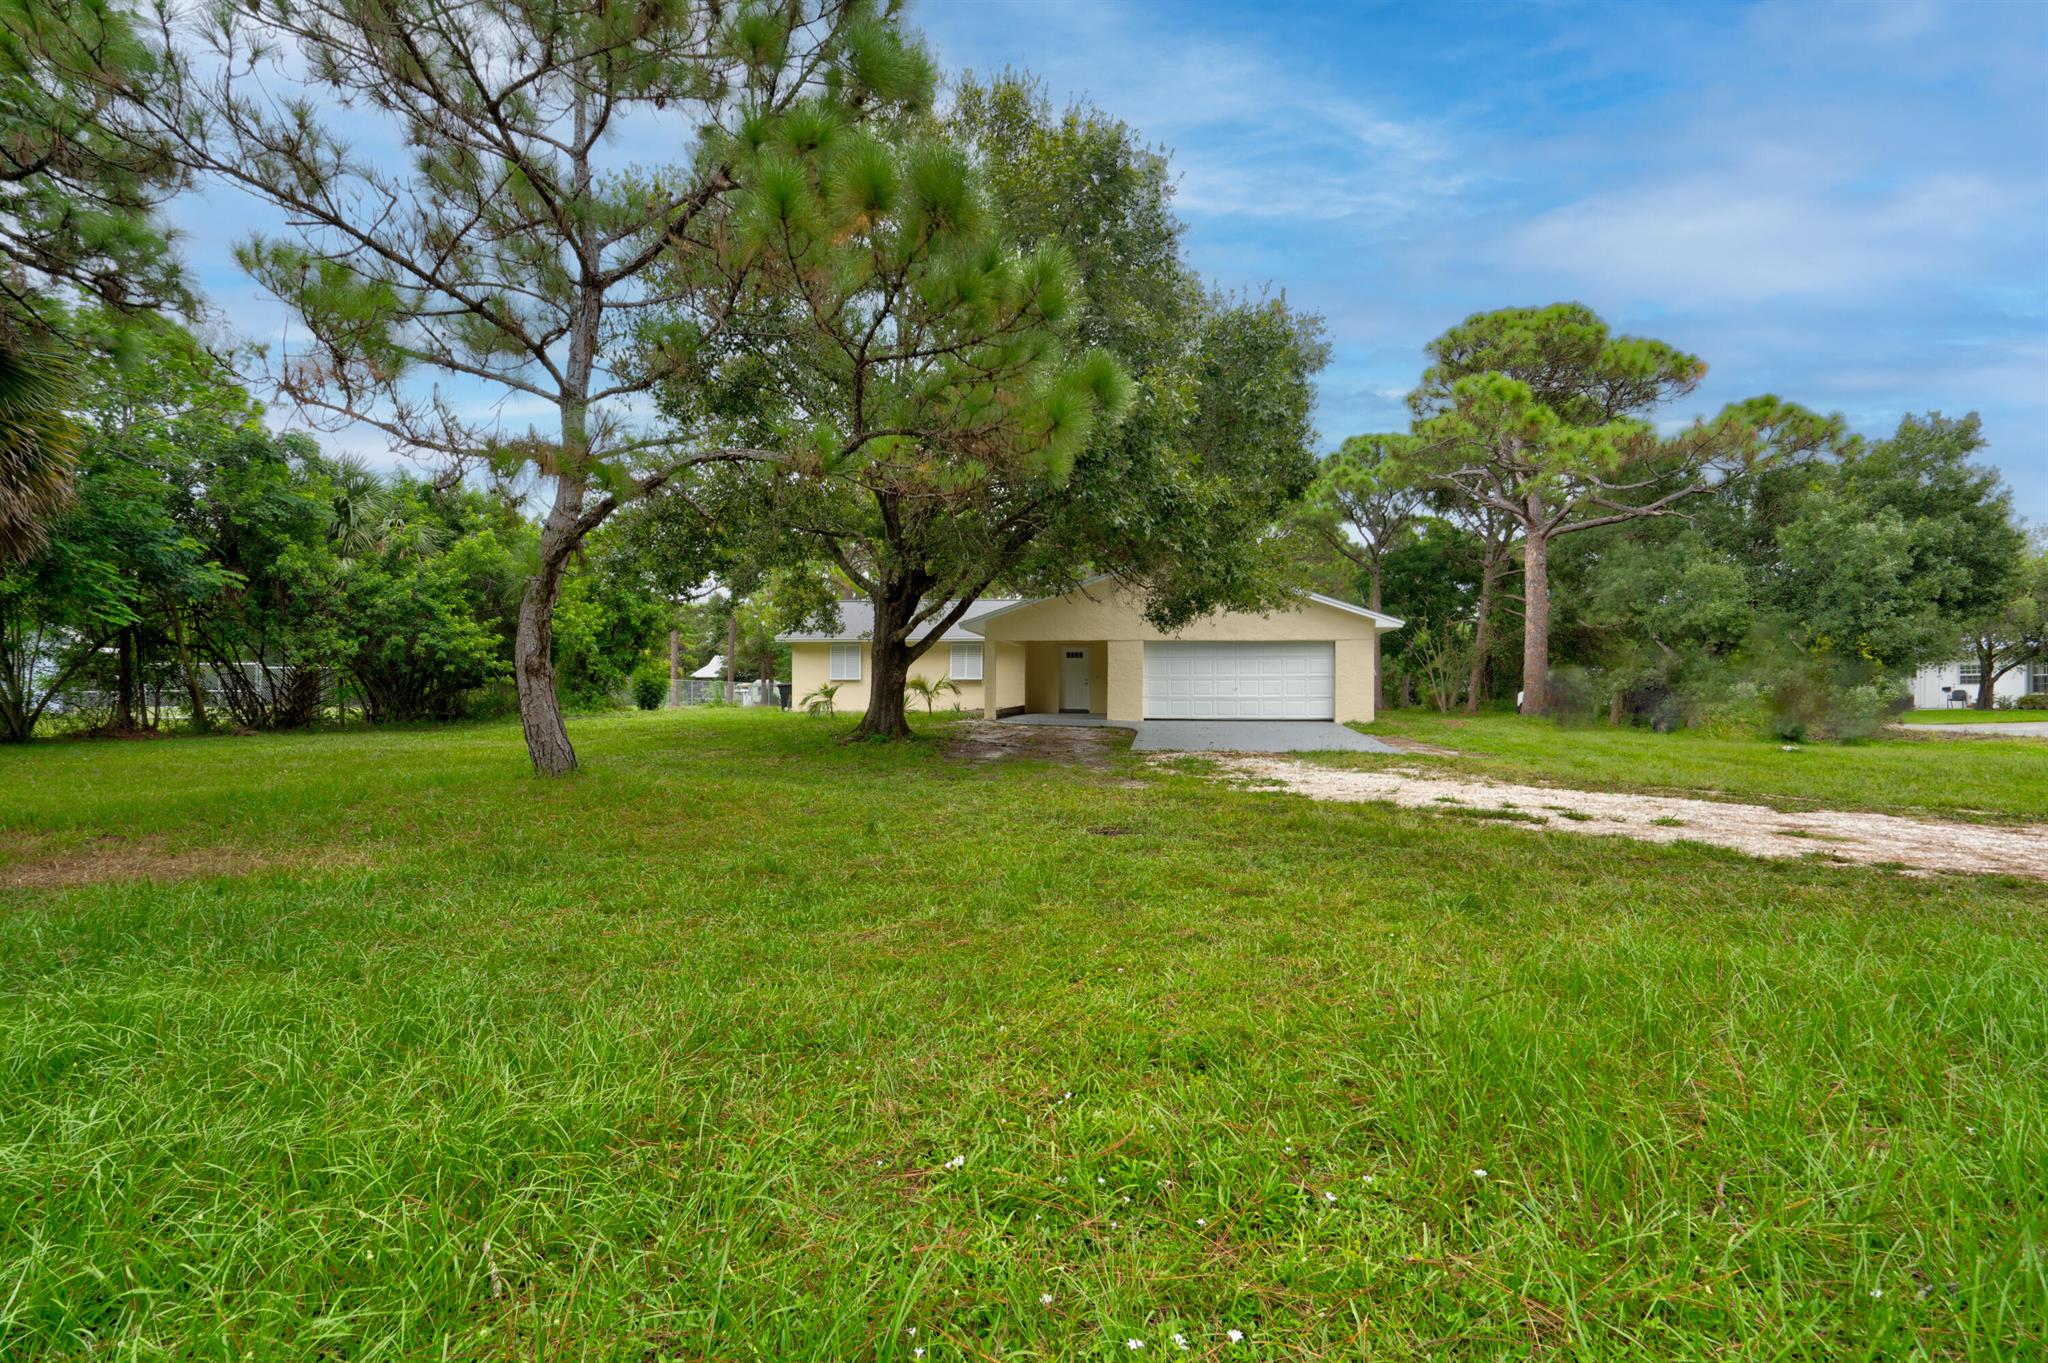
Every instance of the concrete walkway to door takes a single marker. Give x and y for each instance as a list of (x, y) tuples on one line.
[(1224, 735)]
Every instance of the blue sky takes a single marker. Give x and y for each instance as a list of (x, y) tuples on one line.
[(1843, 203)]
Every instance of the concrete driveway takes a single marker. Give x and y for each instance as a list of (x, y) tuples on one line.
[(1224, 735), (1250, 735)]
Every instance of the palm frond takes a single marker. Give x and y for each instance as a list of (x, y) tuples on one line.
[(38, 443)]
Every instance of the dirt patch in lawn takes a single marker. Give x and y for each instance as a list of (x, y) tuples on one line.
[(982, 741), (1760, 831), (107, 859)]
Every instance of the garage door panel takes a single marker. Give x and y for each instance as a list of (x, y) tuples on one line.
[(1240, 681)]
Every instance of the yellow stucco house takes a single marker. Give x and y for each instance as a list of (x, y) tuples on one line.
[(1092, 652)]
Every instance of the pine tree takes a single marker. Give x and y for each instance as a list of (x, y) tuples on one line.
[(519, 250), (1541, 414)]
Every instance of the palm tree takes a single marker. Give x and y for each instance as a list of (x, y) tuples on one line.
[(929, 689), (38, 442), (819, 702)]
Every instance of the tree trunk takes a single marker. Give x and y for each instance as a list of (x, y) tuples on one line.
[(886, 693), (1379, 686), (1535, 623), (124, 679), (732, 646), (1987, 684), (1482, 633), (533, 647), (675, 669), (195, 690), (889, 660)]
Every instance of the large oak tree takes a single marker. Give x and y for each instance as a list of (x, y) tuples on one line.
[(1029, 494), (919, 372)]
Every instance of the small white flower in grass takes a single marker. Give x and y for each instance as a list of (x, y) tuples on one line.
[(1877, 1292), (1479, 1173), (1114, 1225), (1134, 1344), (1101, 1181), (1045, 1299), (1237, 1336), (1180, 1342), (1329, 1197), (912, 1332), (918, 1352), (1127, 1197), (1200, 1221), (956, 1162)]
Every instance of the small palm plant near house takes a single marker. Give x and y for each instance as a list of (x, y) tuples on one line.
[(819, 702), (929, 689)]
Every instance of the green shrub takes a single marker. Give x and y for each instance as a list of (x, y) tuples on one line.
[(1806, 706), (498, 700), (2033, 700), (650, 684)]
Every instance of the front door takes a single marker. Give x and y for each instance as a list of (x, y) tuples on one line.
[(1074, 681)]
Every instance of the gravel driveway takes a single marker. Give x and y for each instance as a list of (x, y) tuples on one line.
[(2026, 728), (1760, 831)]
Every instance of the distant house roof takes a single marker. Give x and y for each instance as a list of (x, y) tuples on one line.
[(857, 624)]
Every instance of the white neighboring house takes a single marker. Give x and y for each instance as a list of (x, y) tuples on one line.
[(1933, 684), (708, 682)]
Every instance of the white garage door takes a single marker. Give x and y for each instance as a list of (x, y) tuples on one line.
[(1240, 681)]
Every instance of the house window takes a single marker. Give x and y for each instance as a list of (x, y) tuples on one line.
[(845, 664), (2037, 677), (966, 662), (1973, 672)]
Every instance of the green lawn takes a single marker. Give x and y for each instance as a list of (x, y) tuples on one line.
[(1922, 775), (1975, 717), (746, 1044)]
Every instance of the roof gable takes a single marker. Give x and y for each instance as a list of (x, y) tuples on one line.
[(857, 624), (978, 620)]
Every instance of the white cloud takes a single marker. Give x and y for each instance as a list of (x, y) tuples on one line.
[(1750, 234), (1252, 137)]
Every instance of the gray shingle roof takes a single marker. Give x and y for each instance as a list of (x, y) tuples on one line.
[(857, 622)]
